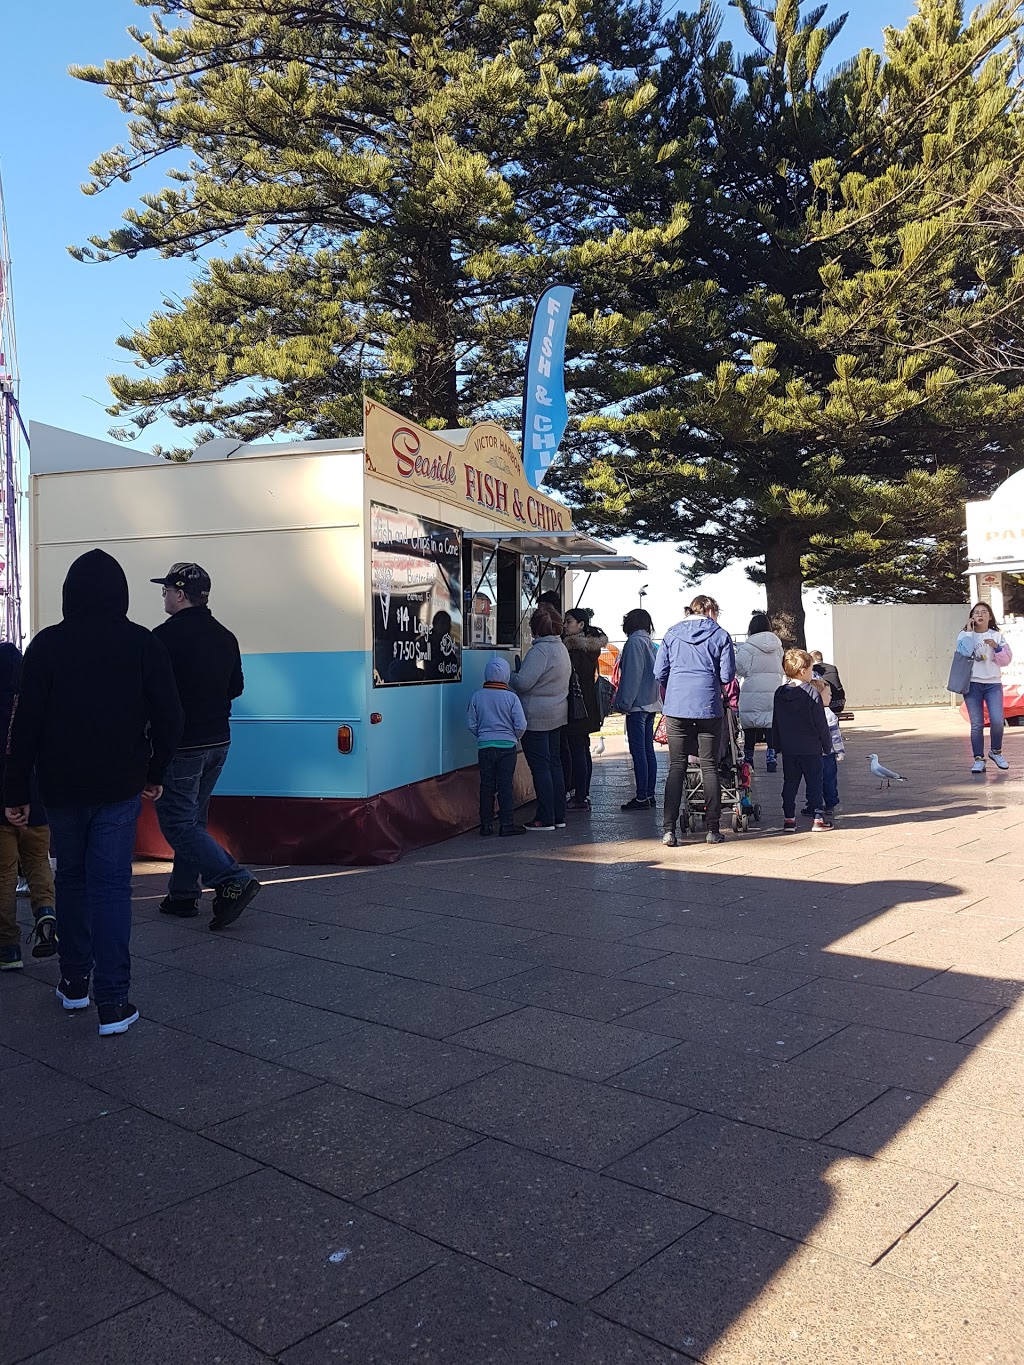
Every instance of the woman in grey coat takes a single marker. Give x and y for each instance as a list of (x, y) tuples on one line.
[(543, 687)]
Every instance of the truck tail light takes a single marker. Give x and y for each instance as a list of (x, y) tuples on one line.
[(344, 739)]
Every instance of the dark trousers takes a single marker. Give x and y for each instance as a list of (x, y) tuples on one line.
[(565, 757), (542, 750), (582, 766), (640, 738), (809, 768), (830, 781), (182, 812), (93, 846), (756, 734), (684, 737), (497, 769)]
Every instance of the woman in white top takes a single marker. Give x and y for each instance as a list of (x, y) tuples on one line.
[(759, 664), (981, 641)]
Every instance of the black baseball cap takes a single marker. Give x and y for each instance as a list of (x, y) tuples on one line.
[(191, 579)]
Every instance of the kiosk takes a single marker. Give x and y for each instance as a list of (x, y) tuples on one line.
[(368, 581), (995, 557)]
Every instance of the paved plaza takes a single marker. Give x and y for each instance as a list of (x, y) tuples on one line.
[(570, 1098)]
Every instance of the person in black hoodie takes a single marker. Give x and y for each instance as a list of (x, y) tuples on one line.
[(800, 733), (29, 846), (208, 668), (97, 716)]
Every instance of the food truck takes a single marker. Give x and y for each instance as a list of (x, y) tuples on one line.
[(995, 558), (369, 580)]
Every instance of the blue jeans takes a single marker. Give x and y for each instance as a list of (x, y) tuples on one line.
[(93, 846), (497, 769), (640, 737), (830, 780), (978, 696), (808, 767), (582, 766), (543, 753), (182, 811)]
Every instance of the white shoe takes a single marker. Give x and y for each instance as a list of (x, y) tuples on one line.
[(669, 839), (999, 761), (979, 765)]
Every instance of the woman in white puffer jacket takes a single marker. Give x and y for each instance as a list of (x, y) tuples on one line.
[(759, 664)]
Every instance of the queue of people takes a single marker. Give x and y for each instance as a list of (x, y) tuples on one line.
[(789, 700), (106, 714)]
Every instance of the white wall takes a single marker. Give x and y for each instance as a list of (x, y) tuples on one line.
[(895, 655)]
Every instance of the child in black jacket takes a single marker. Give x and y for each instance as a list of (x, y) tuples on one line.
[(800, 733)]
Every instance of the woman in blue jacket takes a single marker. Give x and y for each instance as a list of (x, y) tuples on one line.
[(695, 661), (637, 697)]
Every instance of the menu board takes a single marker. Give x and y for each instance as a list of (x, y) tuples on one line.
[(416, 599)]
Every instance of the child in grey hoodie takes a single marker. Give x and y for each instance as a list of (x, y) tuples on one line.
[(496, 717)]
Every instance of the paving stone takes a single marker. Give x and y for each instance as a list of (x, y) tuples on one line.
[(11, 1058), (162, 935), (461, 1313), (563, 1043), (346, 1144), (402, 1068), (697, 942), (797, 1188), (553, 1225), (587, 955), (964, 984), (69, 1041), (814, 962), (971, 1244), (26, 1230), (719, 980), (312, 939), (981, 1146), (49, 1297), (269, 1027), (381, 998), (576, 1121), (200, 1083), (591, 923), (38, 1100), (350, 911), (593, 997), (175, 994), (446, 931), (737, 1295), (751, 1029), (161, 1331), (775, 1095), (226, 959), (100, 1174), (904, 1011), (897, 1059), (464, 971), (271, 1258)]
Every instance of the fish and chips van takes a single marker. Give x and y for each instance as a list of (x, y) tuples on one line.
[(368, 580)]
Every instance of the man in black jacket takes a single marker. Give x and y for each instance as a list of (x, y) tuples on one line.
[(208, 669), (97, 716)]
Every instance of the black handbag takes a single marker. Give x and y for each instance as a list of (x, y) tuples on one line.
[(577, 701)]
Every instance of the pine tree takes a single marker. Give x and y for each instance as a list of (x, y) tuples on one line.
[(397, 181), (854, 241)]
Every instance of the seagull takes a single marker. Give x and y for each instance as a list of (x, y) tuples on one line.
[(599, 746), (885, 774)]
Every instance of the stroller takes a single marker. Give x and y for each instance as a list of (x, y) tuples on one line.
[(735, 776)]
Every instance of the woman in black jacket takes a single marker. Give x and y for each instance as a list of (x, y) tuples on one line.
[(584, 644)]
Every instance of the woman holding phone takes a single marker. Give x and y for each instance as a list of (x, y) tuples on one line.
[(981, 641)]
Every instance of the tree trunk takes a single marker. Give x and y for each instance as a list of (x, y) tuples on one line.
[(784, 582)]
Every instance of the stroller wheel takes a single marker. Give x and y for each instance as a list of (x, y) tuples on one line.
[(737, 821), (756, 812), (744, 824)]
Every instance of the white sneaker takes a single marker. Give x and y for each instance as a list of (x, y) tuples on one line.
[(979, 765), (999, 761), (669, 839)]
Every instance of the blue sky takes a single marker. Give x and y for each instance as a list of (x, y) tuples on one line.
[(51, 127)]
